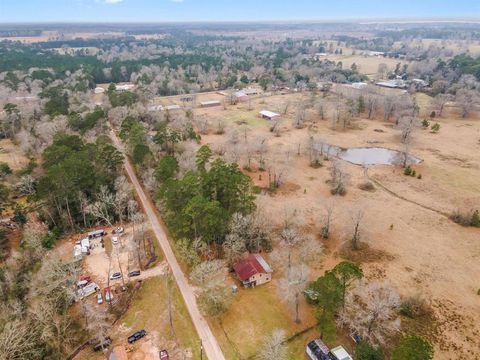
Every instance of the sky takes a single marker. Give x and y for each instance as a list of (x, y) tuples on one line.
[(229, 10)]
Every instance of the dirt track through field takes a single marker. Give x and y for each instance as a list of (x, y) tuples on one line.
[(380, 185), (209, 342)]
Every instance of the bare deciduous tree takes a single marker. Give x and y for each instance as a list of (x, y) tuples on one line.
[(123, 191), (466, 100), (329, 207), (292, 286), (408, 126), (338, 178), (357, 218), (372, 311), (315, 150), (371, 102), (18, 340), (273, 347), (209, 272), (439, 102), (389, 107), (102, 208), (300, 114), (215, 299), (98, 325)]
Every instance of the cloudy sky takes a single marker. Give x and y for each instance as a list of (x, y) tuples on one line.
[(229, 10)]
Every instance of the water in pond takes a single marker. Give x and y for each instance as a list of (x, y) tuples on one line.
[(371, 156)]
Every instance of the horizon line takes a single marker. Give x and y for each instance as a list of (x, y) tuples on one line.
[(361, 20)]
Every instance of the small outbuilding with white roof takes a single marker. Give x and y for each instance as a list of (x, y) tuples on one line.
[(270, 115)]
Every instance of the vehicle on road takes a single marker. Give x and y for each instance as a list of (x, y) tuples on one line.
[(136, 336), (134, 273), (115, 276), (99, 298)]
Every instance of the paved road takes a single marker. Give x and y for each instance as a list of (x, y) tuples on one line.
[(209, 342)]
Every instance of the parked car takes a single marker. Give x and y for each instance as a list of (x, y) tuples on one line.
[(164, 355), (136, 336), (357, 338), (86, 278), (115, 276), (114, 240), (96, 233), (82, 283), (134, 273), (118, 230), (108, 294), (101, 345), (99, 298)]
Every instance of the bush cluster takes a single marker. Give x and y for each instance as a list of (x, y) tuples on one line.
[(411, 172), (471, 218)]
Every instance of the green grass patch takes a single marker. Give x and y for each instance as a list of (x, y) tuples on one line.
[(149, 311), (254, 314)]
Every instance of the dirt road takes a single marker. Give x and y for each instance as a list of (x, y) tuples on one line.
[(209, 342)]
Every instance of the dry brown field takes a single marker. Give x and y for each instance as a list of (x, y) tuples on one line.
[(414, 245)]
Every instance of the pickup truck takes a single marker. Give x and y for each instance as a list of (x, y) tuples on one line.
[(136, 336)]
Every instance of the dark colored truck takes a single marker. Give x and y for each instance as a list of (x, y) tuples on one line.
[(136, 336)]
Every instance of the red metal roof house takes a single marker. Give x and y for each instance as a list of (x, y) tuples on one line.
[(253, 271)]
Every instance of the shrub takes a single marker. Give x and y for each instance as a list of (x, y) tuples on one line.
[(4, 169), (325, 232), (339, 190), (28, 169), (4, 245), (475, 220), (460, 218), (414, 307), (414, 173), (365, 351), (366, 186), (466, 218), (435, 127), (425, 123), (19, 215), (413, 348), (408, 171), (49, 240), (419, 176)]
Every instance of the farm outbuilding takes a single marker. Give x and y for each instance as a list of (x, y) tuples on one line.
[(155, 108), (125, 87), (211, 103), (172, 107), (359, 85), (240, 96), (251, 91), (269, 115), (253, 271), (392, 84)]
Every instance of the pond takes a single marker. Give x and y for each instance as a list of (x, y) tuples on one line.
[(371, 156)]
